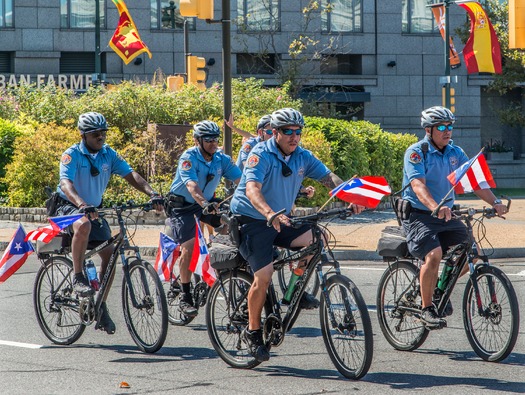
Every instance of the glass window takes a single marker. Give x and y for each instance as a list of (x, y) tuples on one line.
[(166, 15), (341, 16), (80, 14), (342, 64), (417, 17), (80, 62), (248, 63), (6, 13), (258, 15)]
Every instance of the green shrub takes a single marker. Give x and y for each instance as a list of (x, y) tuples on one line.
[(8, 133)]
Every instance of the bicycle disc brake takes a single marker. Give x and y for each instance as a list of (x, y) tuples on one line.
[(86, 310), (273, 330), (200, 292)]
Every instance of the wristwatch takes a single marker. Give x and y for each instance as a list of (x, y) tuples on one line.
[(497, 201)]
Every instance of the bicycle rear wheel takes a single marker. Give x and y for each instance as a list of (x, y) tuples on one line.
[(493, 329), (348, 338), (227, 316), (396, 292), (55, 303), (147, 322)]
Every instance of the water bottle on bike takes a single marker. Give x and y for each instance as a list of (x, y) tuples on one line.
[(297, 272), (91, 271)]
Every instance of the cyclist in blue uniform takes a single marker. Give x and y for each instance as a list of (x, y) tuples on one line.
[(427, 164), (85, 170), (198, 174), (273, 174), (264, 132)]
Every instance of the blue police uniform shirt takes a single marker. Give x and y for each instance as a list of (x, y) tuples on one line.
[(264, 165), (437, 165), (75, 166), (193, 167), (245, 151)]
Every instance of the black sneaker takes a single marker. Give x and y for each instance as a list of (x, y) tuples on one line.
[(308, 302), (430, 318), (254, 341), (105, 322), (186, 305), (81, 286)]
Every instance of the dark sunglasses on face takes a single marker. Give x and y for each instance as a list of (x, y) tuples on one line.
[(289, 132), (268, 131), (286, 171), (210, 139), (98, 133), (442, 128)]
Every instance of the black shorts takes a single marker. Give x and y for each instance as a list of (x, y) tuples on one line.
[(257, 241), (182, 222), (100, 230), (425, 233)]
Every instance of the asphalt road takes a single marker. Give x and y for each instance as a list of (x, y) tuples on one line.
[(98, 363)]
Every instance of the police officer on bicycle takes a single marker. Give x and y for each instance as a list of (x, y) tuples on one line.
[(199, 172), (427, 164), (85, 170), (273, 174)]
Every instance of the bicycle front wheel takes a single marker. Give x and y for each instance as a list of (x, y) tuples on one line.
[(492, 328), (346, 327), (144, 305), (397, 298), (56, 304)]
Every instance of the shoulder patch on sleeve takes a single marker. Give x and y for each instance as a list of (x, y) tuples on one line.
[(186, 165), (66, 159), (253, 160), (414, 157), (247, 148)]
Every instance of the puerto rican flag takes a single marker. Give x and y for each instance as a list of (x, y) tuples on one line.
[(200, 258), (472, 176), (46, 233), (167, 254), (15, 255), (365, 191)]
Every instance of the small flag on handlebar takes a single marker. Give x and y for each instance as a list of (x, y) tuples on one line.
[(364, 191), (472, 176), (46, 233)]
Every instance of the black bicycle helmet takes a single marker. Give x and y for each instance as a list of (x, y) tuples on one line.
[(435, 115), (206, 129), (265, 120), (91, 122), (287, 117)]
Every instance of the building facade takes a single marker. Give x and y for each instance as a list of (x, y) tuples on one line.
[(379, 60)]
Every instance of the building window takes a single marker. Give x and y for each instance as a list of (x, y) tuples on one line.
[(258, 15), (342, 64), (80, 14), (248, 63), (166, 15), (341, 16), (6, 13), (417, 17), (6, 62), (80, 62)]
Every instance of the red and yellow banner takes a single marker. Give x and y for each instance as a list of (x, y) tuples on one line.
[(482, 51), (439, 13), (126, 41)]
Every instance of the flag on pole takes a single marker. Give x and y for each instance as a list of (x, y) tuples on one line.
[(472, 176), (167, 254), (365, 191), (482, 51), (439, 14), (15, 254), (46, 233), (126, 41), (200, 258)]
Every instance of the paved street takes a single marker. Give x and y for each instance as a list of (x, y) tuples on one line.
[(31, 364)]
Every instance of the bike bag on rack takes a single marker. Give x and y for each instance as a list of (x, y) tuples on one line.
[(60, 244), (392, 242), (223, 256)]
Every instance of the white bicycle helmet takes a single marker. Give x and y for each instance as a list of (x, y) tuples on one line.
[(265, 120), (206, 129), (287, 117), (437, 114), (91, 122)]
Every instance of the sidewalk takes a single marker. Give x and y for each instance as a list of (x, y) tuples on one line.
[(357, 236)]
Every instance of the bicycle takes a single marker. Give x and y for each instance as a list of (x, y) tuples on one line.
[(345, 323), (284, 274), (490, 307), (63, 315)]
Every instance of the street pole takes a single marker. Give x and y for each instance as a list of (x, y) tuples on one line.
[(186, 47), (98, 62), (447, 55), (226, 73)]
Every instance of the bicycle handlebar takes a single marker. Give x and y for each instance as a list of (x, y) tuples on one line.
[(343, 213), (486, 212)]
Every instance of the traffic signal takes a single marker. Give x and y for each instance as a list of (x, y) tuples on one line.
[(196, 74), (174, 82), (202, 9), (452, 106), (516, 24)]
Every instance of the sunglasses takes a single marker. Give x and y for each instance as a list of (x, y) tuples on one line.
[(210, 139), (268, 131), (289, 132), (442, 128), (98, 133), (286, 171)]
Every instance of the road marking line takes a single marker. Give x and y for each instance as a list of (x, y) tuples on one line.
[(522, 273), (362, 268), (17, 344)]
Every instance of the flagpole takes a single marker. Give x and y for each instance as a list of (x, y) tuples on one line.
[(340, 186)]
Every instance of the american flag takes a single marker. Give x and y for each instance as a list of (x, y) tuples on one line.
[(15, 255), (167, 254), (365, 191), (200, 258), (46, 233)]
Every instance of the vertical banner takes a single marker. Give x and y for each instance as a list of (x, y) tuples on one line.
[(439, 13), (482, 51)]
